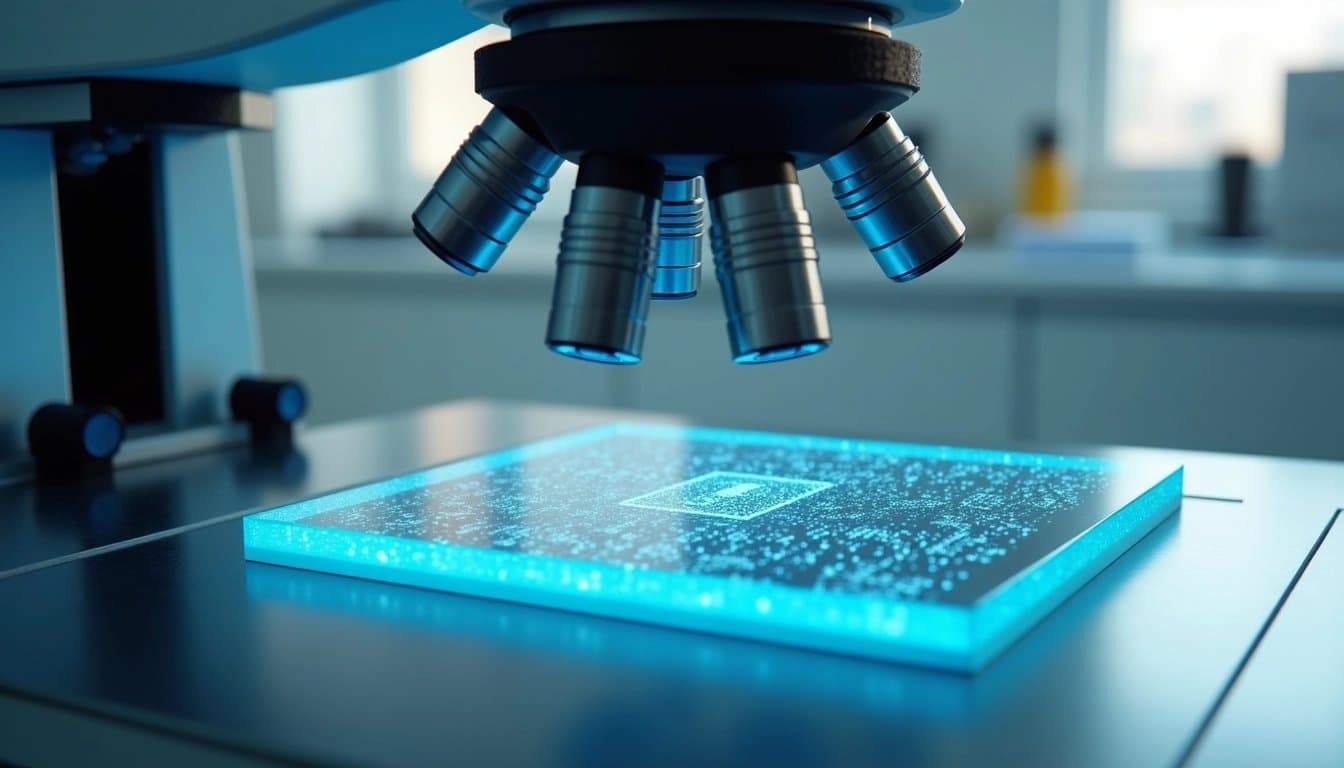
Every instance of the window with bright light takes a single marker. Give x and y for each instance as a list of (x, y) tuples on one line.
[(441, 108), (1190, 79), (441, 102)]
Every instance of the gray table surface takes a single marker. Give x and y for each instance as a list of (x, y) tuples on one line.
[(161, 631)]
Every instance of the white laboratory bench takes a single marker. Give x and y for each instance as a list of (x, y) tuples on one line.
[(1214, 349)]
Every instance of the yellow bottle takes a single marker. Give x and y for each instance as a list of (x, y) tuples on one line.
[(1047, 191)]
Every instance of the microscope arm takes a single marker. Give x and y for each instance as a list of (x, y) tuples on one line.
[(257, 45)]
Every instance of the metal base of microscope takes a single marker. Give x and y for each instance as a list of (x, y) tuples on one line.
[(131, 268)]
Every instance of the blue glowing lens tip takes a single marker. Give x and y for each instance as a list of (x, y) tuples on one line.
[(595, 354), (777, 354)]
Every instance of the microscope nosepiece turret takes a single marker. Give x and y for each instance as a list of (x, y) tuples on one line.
[(604, 274), (665, 105)]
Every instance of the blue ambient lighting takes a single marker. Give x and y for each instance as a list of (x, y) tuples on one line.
[(831, 679), (932, 555)]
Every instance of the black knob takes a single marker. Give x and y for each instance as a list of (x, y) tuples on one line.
[(269, 407), (70, 442)]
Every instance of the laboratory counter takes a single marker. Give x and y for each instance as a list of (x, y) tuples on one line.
[(1258, 274), (1238, 351)]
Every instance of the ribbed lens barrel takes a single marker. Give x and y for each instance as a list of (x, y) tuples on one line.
[(681, 224), (604, 275), (892, 198), (766, 261), (490, 187)]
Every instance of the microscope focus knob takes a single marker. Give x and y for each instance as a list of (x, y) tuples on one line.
[(269, 407), (70, 442)]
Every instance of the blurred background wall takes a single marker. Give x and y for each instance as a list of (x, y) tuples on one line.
[(1126, 320)]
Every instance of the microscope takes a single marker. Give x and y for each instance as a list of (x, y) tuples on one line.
[(135, 630), (655, 129), (129, 309)]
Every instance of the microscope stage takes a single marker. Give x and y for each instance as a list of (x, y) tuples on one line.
[(929, 555)]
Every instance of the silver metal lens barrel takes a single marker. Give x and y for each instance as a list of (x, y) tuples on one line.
[(885, 187), (604, 274), (490, 187), (681, 226), (765, 259)]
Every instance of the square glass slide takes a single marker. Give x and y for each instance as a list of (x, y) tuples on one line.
[(930, 555)]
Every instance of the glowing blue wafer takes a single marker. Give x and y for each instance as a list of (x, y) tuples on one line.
[(925, 554)]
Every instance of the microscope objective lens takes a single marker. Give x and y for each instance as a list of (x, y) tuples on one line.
[(765, 258), (885, 187), (681, 228), (605, 270), (480, 201)]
